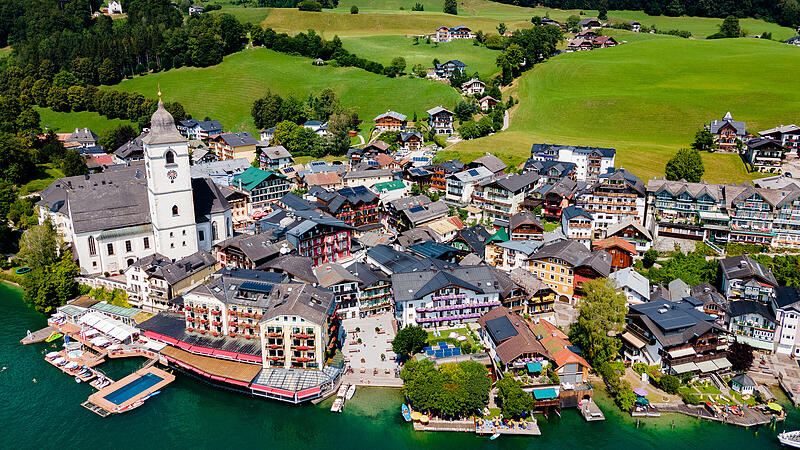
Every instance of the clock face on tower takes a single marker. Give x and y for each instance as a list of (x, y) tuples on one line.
[(172, 175)]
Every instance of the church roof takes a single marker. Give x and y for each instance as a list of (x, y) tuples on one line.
[(208, 199), (162, 128)]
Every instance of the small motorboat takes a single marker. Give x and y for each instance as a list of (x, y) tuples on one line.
[(130, 407), (337, 405), (495, 436), (53, 337), (342, 390), (52, 355), (406, 412), (77, 379), (790, 438), (351, 391), (150, 395)]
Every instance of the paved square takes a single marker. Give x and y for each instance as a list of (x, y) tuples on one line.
[(374, 370)]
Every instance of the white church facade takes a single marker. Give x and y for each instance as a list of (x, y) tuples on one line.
[(115, 217)]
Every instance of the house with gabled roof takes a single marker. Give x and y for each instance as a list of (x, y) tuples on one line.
[(356, 206), (473, 87), (612, 198), (460, 185), (410, 140), (622, 252), (765, 155), (685, 210), (502, 197), (491, 162), (524, 226), (787, 135), (727, 132), (440, 120), (449, 297), (487, 102), (390, 121), (634, 285), (233, 145), (676, 336), (590, 24), (632, 231), (273, 158), (744, 278), (198, 129), (261, 186), (510, 342), (577, 225), (590, 162)]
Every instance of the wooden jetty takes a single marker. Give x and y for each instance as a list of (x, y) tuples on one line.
[(37, 336), (750, 417), (95, 409), (591, 412)]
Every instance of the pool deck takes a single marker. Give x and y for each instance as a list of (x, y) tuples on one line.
[(98, 398)]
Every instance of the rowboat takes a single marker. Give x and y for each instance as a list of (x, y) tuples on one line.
[(790, 439), (406, 413), (350, 392)]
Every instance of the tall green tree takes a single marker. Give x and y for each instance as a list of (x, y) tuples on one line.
[(601, 316), (450, 7), (409, 340), (687, 164), (52, 286), (73, 163), (514, 402), (113, 138), (703, 139), (39, 246)]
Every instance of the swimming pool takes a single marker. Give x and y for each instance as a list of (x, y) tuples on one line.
[(124, 393)]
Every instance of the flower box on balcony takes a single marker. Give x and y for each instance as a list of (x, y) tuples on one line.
[(189, 329), (215, 312), (216, 323), (215, 334), (203, 321), (247, 336), (232, 334), (202, 331)]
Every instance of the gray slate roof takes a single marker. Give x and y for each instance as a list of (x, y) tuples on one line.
[(716, 125), (744, 267), (415, 285)]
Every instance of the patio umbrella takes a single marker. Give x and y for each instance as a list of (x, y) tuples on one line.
[(415, 415), (774, 406), (640, 391), (424, 418)]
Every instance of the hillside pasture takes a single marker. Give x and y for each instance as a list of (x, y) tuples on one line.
[(384, 48), (648, 98), (226, 92)]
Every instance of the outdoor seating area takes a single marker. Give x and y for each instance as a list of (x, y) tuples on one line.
[(499, 424), (110, 330)]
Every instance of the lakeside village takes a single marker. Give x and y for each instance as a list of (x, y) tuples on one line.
[(293, 282)]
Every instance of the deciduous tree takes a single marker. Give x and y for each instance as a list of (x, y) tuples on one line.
[(601, 315), (409, 340), (687, 164)]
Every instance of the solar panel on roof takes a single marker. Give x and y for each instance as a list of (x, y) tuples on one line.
[(416, 209), (289, 169), (442, 345), (254, 286), (473, 172), (439, 354), (456, 351), (448, 352)]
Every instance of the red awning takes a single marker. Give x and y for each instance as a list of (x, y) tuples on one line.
[(225, 354), (282, 392), (308, 392), (184, 365), (203, 350), (183, 345), (258, 387), (237, 382), (244, 357), (214, 377), (160, 337)]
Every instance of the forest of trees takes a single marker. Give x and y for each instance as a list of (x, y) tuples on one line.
[(100, 51), (783, 12)]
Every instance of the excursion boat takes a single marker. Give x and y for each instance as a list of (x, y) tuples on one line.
[(406, 413), (342, 390), (350, 392), (790, 439), (53, 337), (337, 405)]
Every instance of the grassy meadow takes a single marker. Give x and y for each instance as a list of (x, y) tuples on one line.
[(226, 92), (61, 122), (384, 48), (647, 99)]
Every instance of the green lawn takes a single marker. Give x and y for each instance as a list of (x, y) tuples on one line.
[(433, 340), (45, 174), (710, 389), (702, 26), (5, 51), (226, 92), (647, 99), (384, 48), (62, 122), (379, 23), (550, 226)]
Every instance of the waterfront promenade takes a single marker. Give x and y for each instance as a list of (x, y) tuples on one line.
[(364, 359)]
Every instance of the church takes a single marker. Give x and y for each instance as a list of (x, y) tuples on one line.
[(113, 218)]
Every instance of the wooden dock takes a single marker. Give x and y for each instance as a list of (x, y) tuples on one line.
[(37, 336), (750, 417), (95, 409), (591, 412)]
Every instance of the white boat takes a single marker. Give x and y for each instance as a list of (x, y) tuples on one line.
[(350, 392), (790, 438), (495, 436), (342, 391), (337, 405)]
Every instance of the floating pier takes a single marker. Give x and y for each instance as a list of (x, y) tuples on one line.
[(121, 394), (591, 412), (37, 336)]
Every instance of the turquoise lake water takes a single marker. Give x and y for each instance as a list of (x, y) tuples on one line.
[(188, 413)]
